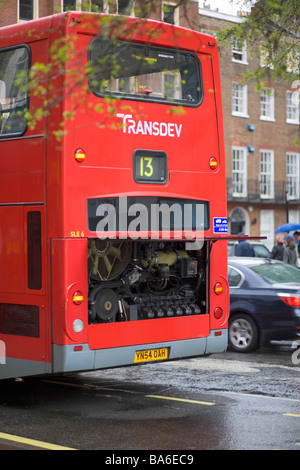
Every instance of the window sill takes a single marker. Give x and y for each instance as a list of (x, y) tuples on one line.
[(235, 114), (242, 62), (267, 119), (238, 195), (289, 121)]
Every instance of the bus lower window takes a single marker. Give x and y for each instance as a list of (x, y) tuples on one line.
[(144, 73), (34, 250)]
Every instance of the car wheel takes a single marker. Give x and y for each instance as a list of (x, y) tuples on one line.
[(242, 333)]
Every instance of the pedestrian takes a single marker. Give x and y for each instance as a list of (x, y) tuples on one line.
[(297, 238), (278, 249), (290, 254), (244, 248)]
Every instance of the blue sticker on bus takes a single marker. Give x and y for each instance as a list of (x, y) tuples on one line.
[(220, 224)]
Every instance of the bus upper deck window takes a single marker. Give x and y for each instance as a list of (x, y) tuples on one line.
[(14, 66), (144, 73)]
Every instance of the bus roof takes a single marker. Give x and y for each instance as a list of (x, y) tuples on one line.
[(88, 23)]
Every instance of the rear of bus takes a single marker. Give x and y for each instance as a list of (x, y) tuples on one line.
[(136, 197)]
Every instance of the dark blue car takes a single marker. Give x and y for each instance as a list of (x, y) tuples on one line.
[(264, 302)]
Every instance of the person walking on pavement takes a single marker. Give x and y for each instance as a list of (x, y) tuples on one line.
[(297, 238), (244, 248), (290, 253), (278, 249)]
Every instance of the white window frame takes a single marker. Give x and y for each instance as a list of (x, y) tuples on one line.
[(266, 171), (266, 224), (267, 104), (292, 107), (35, 11), (239, 171), (292, 174), (266, 56), (239, 49), (239, 100), (293, 62)]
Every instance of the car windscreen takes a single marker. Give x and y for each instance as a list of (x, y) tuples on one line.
[(277, 273), (144, 73), (261, 251)]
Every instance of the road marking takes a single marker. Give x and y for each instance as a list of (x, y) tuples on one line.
[(181, 399), (69, 384), (257, 395), (32, 442), (296, 415)]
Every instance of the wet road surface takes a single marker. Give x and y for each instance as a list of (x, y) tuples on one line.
[(226, 401)]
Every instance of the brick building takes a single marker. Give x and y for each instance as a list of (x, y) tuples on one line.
[(13, 11), (261, 128), (261, 140)]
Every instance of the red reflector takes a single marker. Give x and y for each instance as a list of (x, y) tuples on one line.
[(218, 333), (292, 301), (213, 163), (78, 298), (77, 348), (218, 288), (218, 313)]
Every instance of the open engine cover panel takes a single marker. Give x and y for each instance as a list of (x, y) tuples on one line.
[(136, 280)]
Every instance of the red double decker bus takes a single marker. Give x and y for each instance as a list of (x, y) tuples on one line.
[(113, 195)]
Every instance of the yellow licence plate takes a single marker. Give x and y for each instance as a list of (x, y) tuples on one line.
[(151, 355)]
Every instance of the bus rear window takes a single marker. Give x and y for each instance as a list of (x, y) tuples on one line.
[(144, 73)]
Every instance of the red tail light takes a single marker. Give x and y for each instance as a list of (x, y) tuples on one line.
[(291, 300), (218, 313)]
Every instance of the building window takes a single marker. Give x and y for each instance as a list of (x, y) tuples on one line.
[(126, 7), (68, 5), (267, 174), (172, 85), (266, 55), (170, 13), (239, 171), (293, 62), (239, 100), (239, 51), (97, 6), (292, 107), (26, 9), (267, 104), (292, 175)]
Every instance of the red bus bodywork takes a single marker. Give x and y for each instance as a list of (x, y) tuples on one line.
[(145, 301)]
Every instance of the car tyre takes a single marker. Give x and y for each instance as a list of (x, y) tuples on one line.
[(242, 333)]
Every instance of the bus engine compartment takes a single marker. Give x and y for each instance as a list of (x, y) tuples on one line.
[(144, 279)]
